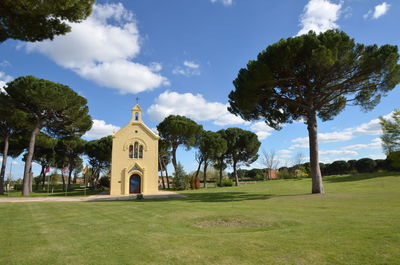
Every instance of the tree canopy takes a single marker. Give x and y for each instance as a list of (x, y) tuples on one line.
[(179, 130), (52, 108), (391, 132), (212, 146), (242, 148), (312, 76), (37, 20)]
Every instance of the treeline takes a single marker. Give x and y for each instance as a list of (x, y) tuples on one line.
[(232, 146), (44, 121), (340, 167)]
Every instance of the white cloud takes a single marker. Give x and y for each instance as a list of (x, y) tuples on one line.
[(189, 68), (319, 16), (224, 2), (326, 138), (193, 106), (378, 11), (284, 151), (5, 63), (191, 64), (375, 144), (101, 129), (4, 79), (101, 49), (338, 152), (370, 128), (261, 129)]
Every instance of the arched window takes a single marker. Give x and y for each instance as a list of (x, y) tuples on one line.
[(136, 116), (136, 150), (141, 151), (131, 151)]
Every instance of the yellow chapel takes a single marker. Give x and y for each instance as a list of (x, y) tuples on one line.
[(134, 162)]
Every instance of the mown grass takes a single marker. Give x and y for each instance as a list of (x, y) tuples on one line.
[(274, 222), (58, 192)]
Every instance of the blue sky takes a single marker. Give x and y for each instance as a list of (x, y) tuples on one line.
[(180, 57)]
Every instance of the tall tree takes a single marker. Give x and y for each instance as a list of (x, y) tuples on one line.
[(312, 76), (44, 154), (179, 130), (212, 145), (270, 161), (164, 158), (391, 132), (13, 123), (72, 148), (99, 154), (220, 161), (242, 148), (37, 20), (54, 108)]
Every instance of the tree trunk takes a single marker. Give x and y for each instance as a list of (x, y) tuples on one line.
[(196, 177), (235, 174), (4, 164), (161, 171), (43, 175), (317, 185), (174, 163), (63, 180), (220, 171), (166, 173), (30, 179), (28, 162), (69, 178), (205, 174)]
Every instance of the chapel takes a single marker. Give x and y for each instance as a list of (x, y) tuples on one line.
[(134, 163)]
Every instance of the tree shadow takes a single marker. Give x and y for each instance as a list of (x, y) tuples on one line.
[(358, 177), (208, 197)]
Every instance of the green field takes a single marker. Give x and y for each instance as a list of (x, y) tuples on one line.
[(274, 222)]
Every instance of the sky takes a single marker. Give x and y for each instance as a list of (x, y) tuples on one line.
[(181, 56)]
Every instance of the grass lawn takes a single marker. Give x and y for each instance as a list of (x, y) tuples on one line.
[(274, 222), (56, 192)]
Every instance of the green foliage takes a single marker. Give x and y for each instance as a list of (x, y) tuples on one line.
[(37, 20), (284, 173), (56, 108), (99, 154), (365, 165), (338, 167), (227, 183), (393, 159), (312, 76), (104, 181), (313, 73), (181, 180), (391, 132), (179, 130), (242, 146), (212, 145)]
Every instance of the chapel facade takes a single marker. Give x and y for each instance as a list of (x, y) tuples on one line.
[(134, 163)]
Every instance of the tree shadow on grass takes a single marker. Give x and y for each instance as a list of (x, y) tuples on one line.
[(211, 197), (358, 177)]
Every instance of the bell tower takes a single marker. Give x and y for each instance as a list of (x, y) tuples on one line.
[(137, 113)]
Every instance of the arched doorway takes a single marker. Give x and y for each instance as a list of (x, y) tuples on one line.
[(134, 184)]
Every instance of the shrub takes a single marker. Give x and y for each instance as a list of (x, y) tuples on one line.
[(285, 174), (394, 160), (104, 182), (365, 165), (227, 183), (181, 180)]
